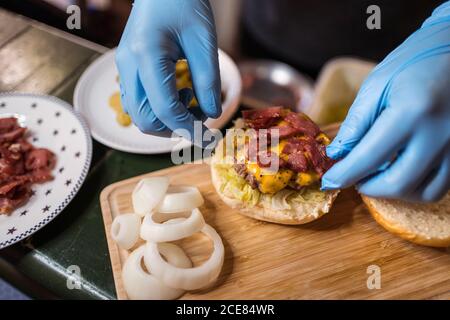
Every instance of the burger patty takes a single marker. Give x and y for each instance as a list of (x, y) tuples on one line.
[(241, 170)]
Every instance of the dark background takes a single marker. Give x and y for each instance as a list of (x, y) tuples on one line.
[(303, 33)]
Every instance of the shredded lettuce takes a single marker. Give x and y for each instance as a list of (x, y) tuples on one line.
[(236, 185), (307, 195), (232, 183)]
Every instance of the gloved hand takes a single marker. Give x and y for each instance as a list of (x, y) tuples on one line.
[(395, 141), (157, 34)]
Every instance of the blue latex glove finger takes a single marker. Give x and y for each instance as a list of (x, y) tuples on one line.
[(186, 95), (200, 49), (435, 186), (362, 160), (135, 101), (133, 96), (360, 118), (147, 121), (128, 77), (165, 101), (404, 175)]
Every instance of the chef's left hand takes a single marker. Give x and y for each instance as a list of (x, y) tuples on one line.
[(395, 141)]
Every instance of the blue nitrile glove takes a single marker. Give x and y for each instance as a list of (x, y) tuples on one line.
[(395, 141), (157, 34)]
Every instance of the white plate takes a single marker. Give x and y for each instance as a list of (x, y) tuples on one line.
[(51, 124), (98, 83)]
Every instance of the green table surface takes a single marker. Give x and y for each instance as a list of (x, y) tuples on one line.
[(36, 58)]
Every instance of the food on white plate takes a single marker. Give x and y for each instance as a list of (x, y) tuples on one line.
[(115, 103), (148, 193), (183, 80), (157, 231), (171, 213), (289, 195), (142, 285), (180, 198), (121, 117), (21, 165), (424, 224), (125, 230), (191, 278)]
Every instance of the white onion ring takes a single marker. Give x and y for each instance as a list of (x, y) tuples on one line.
[(140, 285), (148, 193), (125, 230), (180, 199), (154, 231), (187, 279)]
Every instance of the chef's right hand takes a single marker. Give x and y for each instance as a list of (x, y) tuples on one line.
[(395, 140), (157, 34)]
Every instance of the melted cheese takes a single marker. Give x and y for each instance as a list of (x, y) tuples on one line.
[(269, 182), (306, 178), (323, 138)]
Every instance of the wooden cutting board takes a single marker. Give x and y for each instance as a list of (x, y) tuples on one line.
[(326, 259)]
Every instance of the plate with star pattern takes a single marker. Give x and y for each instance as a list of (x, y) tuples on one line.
[(51, 124)]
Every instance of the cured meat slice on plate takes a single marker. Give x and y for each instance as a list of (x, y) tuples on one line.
[(21, 165)]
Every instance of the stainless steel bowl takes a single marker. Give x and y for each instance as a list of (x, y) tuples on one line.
[(269, 83)]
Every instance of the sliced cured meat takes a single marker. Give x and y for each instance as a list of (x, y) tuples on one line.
[(302, 124), (272, 112), (296, 144), (9, 187), (20, 145), (283, 132), (20, 165), (306, 153), (15, 198), (8, 124), (317, 156), (296, 160), (40, 159), (40, 176), (6, 155), (11, 163), (264, 118), (12, 135)]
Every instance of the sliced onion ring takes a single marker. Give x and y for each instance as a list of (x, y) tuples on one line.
[(187, 279), (148, 193), (179, 199), (140, 285), (125, 230), (155, 231)]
